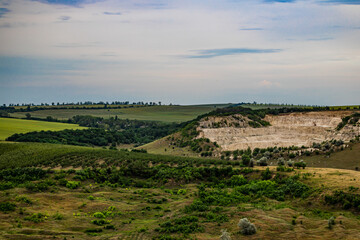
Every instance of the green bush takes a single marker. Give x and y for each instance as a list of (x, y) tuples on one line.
[(7, 207), (300, 164), (196, 206), (36, 217), (23, 199), (39, 186), (72, 184), (99, 215), (237, 180), (100, 222), (185, 225)]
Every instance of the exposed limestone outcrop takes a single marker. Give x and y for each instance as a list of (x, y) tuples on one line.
[(298, 129)]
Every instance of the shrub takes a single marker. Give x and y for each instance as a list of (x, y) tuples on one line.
[(62, 182), (186, 224), (281, 161), (246, 227), (23, 199), (262, 161), (100, 222), (181, 192), (245, 159), (300, 164), (7, 207), (237, 180), (197, 205), (36, 217), (6, 185), (290, 163), (225, 235), (110, 227), (99, 215), (331, 222), (72, 184), (37, 187), (266, 175)]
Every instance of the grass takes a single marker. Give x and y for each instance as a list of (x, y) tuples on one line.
[(153, 113), (346, 159), (162, 146), (68, 213), (55, 155), (10, 126), (274, 106)]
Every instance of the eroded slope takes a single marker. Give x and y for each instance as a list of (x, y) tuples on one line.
[(298, 129)]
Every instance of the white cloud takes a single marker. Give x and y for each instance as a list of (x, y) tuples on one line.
[(143, 43)]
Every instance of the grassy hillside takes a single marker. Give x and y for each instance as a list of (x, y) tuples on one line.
[(53, 155), (9, 126), (347, 159), (162, 197), (153, 113)]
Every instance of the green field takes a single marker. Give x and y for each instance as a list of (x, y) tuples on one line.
[(153, 113), (10, 126), (275, 106)]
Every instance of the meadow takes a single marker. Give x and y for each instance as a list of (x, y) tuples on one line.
[(134, 195), (56, 191), (276, 106), (346, 159), (172, 113), (10, 126)]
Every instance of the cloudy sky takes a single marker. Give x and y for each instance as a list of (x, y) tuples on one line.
[(180, 51)]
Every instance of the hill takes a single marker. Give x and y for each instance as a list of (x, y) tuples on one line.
[(134, 195), (267, 135), (10, 126)]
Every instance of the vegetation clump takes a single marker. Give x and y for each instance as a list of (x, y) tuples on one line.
[(331, 222), (225, 235), (7, 207), (185, 225), (246, 227)]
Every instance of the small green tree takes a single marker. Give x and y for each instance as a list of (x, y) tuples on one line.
[(245, 159)]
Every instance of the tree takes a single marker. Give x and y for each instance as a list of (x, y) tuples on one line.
[(28, 115), (245, 159)]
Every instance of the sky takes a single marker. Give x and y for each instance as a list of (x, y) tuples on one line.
[(180, 51)]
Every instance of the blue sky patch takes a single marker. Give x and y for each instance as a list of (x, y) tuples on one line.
[(112, 13), (281, 1), (349, 2), (3, 11), (210, 53)]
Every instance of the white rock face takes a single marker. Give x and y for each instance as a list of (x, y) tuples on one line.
[(298, 129)]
